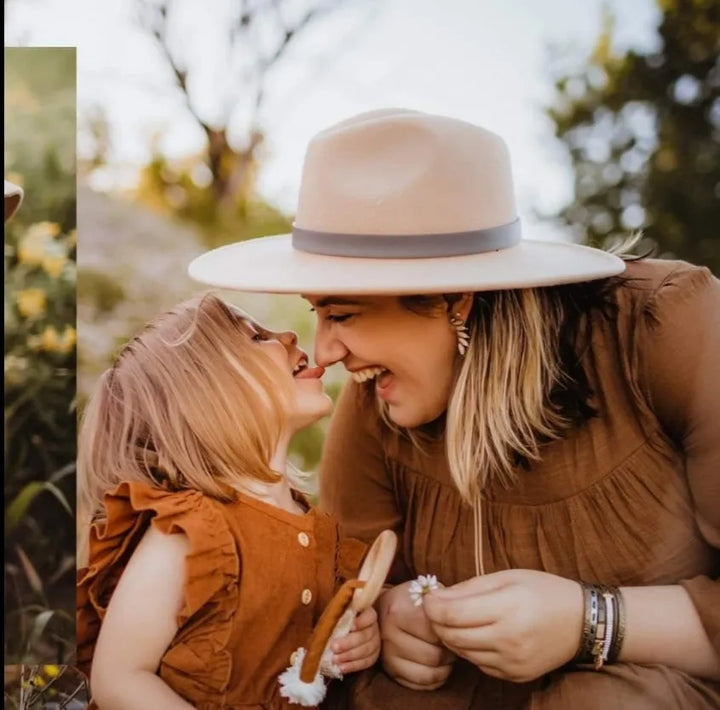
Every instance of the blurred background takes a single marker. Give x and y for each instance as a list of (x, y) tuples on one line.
[(193, 126), (45, 687), (40, 338)]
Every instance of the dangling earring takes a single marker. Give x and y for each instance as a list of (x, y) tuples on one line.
[(462, 332)]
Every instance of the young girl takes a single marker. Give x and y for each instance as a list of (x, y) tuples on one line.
[(206, 567)]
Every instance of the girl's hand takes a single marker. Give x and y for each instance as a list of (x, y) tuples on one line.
[(360, 649), (412, 652), (515, 624)]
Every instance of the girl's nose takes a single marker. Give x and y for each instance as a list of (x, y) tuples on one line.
[(288, 338)]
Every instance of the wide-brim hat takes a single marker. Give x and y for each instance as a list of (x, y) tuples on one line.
[(402, 202), (13, 198)]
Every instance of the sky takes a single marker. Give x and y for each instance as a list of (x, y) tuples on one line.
[(484, 61)]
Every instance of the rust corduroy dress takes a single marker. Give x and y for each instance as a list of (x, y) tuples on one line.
[(632, 497), (258, 578)]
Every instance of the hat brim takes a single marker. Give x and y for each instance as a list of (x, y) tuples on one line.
[(13, 198), (271, 265)]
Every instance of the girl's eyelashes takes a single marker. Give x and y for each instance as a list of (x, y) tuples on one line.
[(258, 337)]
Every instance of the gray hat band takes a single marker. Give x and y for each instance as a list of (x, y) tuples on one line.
[(420, 246)]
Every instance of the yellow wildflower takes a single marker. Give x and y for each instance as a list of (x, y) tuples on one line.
[(54, 342), (68, 340), (31, 302), (34, 243), (51, 671), (53, 265), (31, 250), (16, 369), (49, 340), (47, 229)]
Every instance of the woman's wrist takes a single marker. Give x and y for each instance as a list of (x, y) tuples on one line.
[(650, 625), (664, 628), (603, 628)]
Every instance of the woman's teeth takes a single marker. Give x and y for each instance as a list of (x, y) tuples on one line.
[(300, 367), (367, 374)]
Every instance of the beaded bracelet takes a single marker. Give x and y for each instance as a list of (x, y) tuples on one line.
[(601, 633), (591, 601), (603, 626)]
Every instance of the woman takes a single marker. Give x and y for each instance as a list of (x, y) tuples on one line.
[(543, 415)]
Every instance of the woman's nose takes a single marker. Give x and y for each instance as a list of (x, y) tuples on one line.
[(328, 348)]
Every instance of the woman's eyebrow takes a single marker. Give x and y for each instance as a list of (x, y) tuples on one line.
[(337, 301)]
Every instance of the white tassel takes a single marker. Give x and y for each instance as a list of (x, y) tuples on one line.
[(296, 690)]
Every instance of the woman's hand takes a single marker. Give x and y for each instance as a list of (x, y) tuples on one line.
[(515, 624), (360, 649), (411, 651)]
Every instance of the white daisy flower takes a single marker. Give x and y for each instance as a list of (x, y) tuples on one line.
[(421, 586)]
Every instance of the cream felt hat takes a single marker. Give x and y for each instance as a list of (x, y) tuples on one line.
[(402, 202), (13, 198)]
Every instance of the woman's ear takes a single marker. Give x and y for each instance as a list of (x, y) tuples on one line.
[(462, 306)]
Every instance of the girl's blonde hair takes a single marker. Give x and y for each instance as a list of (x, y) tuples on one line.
[(189, 404)]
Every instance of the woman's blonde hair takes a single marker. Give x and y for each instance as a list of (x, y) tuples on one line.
[(501, 410), (188, 404), (521, 383)]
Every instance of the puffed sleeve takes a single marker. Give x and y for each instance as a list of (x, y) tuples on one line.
[(211, 579), (355, 485), (681, 367)]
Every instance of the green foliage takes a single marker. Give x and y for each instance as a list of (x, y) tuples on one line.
[(643, 134), (40, 371), (185, 191), (34, 687), (100, 289)]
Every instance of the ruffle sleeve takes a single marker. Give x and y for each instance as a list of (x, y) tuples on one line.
[(211, 582), (681, 366)]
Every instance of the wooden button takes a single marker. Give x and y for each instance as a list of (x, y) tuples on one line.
[(306, 596), (303, 539)]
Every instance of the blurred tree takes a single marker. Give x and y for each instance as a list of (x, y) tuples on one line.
[(256, 38), (97, 131), (643, 133)]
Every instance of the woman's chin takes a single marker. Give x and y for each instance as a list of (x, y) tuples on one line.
[(410, 417)]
